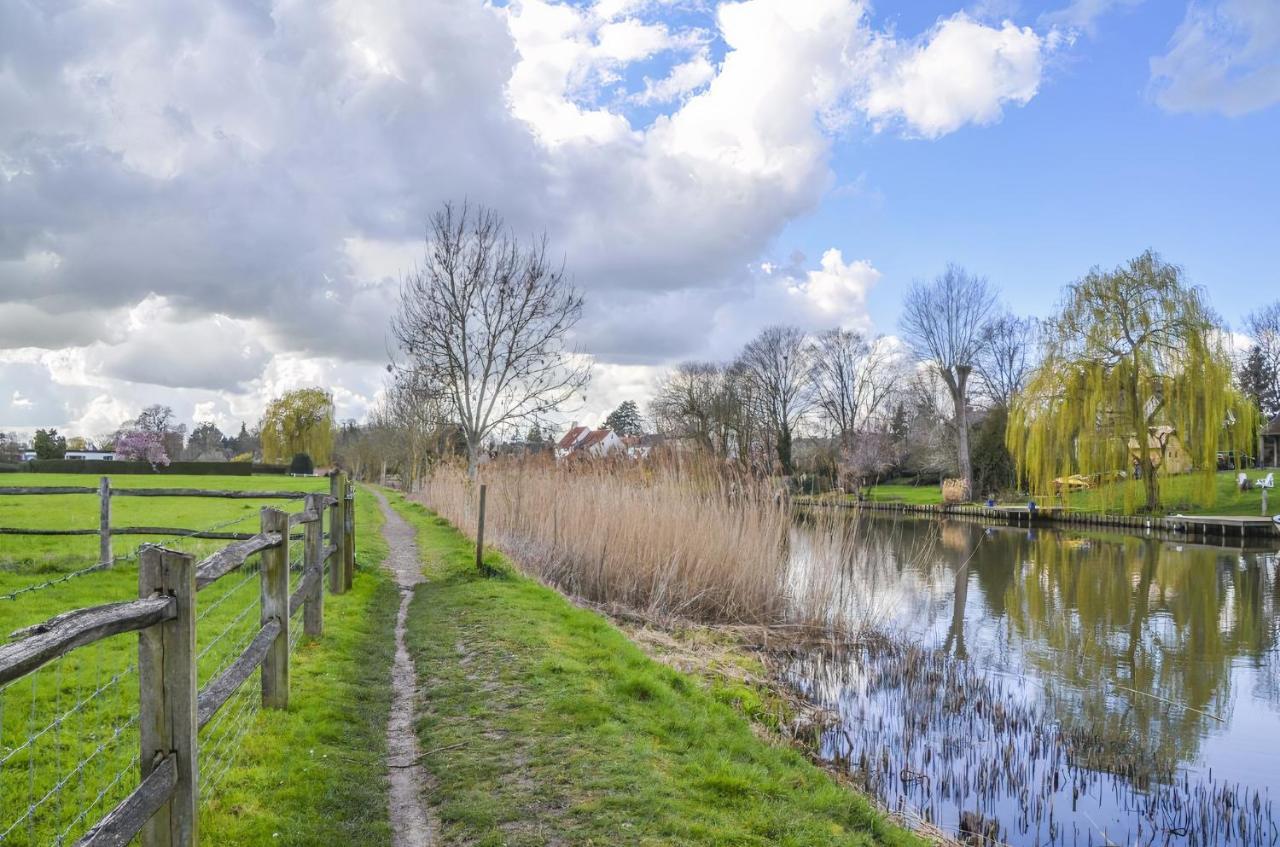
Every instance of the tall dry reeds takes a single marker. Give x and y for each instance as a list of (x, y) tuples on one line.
[(665, 540), (686, 539)]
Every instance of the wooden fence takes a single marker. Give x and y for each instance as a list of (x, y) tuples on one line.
[(171, 708)]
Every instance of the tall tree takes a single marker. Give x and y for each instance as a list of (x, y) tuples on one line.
[(1007, 357), (852, 379), (162, 422), (49, 445), (625, 420), (299, 421), (946, 323), (486, 322), (1263, 325), (1260, 380), (776, 366), (1134, 358), (205, 443)]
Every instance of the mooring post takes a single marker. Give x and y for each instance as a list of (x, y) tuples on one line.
[(349, 538), (167, 717), (104, 521), (1264, 502), (275, 606), (313, 568), (480, 530), (337, 529)]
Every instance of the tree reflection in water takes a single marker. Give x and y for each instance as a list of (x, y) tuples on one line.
[(1144, 659)]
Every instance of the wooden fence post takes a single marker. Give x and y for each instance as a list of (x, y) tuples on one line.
[(313, 563), (104, 521), (167, 721), (480, 530), (275, 605), (349, 538), (337, 522)]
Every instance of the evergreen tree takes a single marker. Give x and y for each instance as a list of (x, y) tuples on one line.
[(625, 420), (1259, 379)]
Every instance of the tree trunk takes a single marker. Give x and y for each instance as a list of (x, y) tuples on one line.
[(784, 449), (959, 395), (473, 458)]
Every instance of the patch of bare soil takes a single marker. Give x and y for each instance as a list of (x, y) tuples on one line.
[(412, 823)]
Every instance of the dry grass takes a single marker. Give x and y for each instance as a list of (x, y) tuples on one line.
[(684, 541)]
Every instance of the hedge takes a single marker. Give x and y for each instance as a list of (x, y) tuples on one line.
[(99, 467)]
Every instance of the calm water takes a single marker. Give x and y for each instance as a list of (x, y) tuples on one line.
[(1058, 687)]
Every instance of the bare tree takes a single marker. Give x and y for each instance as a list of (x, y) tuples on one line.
[(1007, 357), (852, 378), (685, 404), (486, 321), (945, 322), (776, 366)]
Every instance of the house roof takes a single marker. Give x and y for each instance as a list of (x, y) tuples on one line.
[(1273, 428), (595, 438), (571, 437)]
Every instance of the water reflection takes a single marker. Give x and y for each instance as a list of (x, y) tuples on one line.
[(1138, 669)]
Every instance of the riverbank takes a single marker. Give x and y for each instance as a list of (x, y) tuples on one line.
[(542, 723), (1176, 492)]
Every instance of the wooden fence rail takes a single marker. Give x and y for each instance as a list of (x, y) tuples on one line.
[(171, 708), (105, 493)]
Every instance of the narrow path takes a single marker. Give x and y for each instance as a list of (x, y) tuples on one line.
[(412, 824)]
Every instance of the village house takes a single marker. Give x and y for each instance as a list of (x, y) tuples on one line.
[(594, 443), (1269, 445), (1173, 459)]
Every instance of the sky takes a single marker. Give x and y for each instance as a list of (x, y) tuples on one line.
[(205, 204)]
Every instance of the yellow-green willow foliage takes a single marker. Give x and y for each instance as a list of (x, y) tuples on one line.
[(1133, 349), (299, 422)]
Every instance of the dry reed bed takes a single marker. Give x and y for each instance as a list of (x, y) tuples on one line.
[(673, 541)]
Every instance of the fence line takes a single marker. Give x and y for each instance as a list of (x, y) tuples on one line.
[(175, 715)]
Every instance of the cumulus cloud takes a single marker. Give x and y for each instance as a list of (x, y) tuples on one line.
[(1224, 57), (961, 72), (245, 183)]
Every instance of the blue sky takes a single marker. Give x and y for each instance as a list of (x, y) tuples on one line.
[(1091, 171)]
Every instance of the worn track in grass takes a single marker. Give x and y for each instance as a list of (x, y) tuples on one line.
[(411, 821)]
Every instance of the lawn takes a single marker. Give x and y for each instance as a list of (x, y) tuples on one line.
[(1176, 493), (543, 724), (68, 733)]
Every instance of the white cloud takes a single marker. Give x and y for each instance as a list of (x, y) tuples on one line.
[(1224, 57), (1083, 15), (208, 225), (682, 80), (961, 72)]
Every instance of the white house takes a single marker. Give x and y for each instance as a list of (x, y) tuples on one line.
[(582, 441), (91, 455), (571, 439)]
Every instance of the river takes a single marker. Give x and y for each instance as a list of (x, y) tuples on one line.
[(1050, 686)]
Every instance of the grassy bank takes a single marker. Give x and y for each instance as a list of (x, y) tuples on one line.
[(68, 733), (544, 724), (316, 774), (1176, 492)]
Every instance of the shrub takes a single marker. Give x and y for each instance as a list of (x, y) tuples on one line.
[(302, 465)]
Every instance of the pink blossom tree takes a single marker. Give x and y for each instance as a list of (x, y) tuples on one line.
[(142, 446)]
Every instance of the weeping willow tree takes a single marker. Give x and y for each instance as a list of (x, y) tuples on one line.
[(1133, 365), (299, 421)]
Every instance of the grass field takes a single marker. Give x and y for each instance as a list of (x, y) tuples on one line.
[(68, 733), (544, 724), (1176, 492)]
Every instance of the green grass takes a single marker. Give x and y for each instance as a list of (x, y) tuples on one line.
[(320, 761), (316, 774), (1176, 492), (543, 724)]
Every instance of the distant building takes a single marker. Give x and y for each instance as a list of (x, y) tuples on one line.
[(1269, 445), (91, 455), (566, 445), (1173, 459), (28, 455), (595, 443)]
